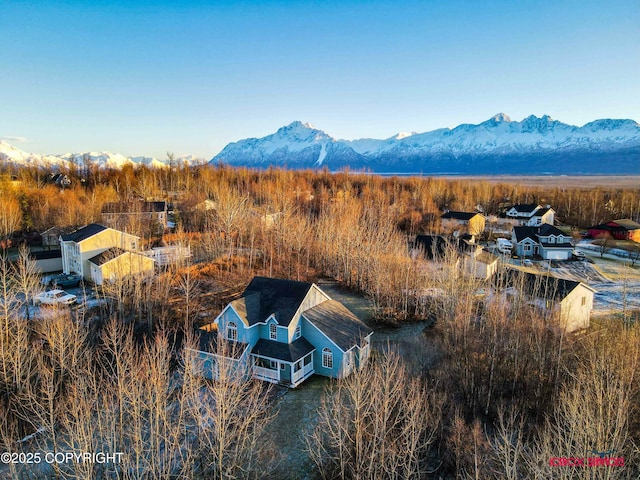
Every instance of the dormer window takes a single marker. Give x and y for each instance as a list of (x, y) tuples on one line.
[(273, 331), (298, 332)]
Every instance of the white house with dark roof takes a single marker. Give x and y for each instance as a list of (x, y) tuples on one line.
[(547, 241), (88, 242), (282, 331), (531, 214)]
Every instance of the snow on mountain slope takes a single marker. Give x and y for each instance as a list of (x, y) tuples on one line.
[(298, 144), (302, 146), (13, 155)]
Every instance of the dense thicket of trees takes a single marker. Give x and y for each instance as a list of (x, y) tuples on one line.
[(506, 392)]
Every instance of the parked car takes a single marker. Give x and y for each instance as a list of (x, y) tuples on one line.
[(504, 246), (527, 263), (578, 254), (65, 281), (54, 297)]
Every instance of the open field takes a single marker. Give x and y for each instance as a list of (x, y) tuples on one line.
[(568, 181)]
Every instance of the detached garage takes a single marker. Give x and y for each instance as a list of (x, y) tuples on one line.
[(115, 263)]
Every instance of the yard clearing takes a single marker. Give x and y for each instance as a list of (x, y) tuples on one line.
[(616, 282)]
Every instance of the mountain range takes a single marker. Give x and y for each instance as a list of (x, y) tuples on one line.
[(10, 154), (535, 145)]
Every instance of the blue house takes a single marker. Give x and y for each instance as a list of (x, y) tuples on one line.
[(283, 331)]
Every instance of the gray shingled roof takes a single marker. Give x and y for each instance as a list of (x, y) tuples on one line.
[(548, 229), (538, 285), (338, 323), (265, 296), (83, 233), (287, 352), (134, 207), (526, 207), (107, 256), (208, 342), (459, 215), (522, 233)]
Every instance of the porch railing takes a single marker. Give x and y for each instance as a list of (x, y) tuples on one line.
[(266, 374), (305, 371)]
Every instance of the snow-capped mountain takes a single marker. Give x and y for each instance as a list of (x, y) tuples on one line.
[(12, 155), (298, 145), (498, 145)]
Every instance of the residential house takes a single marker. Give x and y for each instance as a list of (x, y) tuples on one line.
[(471, 257), (530, 215), (622, 229), (115, 263), (87, 242), (51, 237), (570, 300), (283, 331), (546, 241), (471, 223), (124, 215)]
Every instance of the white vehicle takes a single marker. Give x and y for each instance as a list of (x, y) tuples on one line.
[(527, 263), (54, 297), (577, 254), (504, 246)]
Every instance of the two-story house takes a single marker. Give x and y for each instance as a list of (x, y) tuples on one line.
[(547, 241), (83, 248), (471, 223), (124, 215), (283, 331), (531, 215)]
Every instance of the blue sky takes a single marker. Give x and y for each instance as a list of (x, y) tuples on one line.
[(147, 77)]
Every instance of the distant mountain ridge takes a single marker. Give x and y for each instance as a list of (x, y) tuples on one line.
[(13, 155), (535, 145)]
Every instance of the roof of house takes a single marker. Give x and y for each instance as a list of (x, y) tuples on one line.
[(486, 257), (83, 233), (627, 224), (459, 215), (526, 207), (547, 229), (208, 342), (523, 232), (541, 212), (538, 285), (45, 254), (287, 352), (107, 256), (338, 323), (432, 245), (134, 207), (265, 296)]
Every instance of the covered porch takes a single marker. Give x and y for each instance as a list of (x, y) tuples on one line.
[(288, 364)]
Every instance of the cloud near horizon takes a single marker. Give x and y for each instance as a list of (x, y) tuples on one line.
[(11, 139)]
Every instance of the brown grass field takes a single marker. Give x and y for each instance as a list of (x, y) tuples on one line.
[(568, 181)]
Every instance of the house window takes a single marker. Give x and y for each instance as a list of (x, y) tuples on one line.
[(327, 358), (273, 365), (527, 247), (273, 331), (232, 331), (282, 366), (298, 332), (584, 301)]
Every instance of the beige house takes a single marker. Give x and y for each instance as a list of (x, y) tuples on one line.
[(116, 263), (480, 264), (83, 244), (570, 300), (471, 223)]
